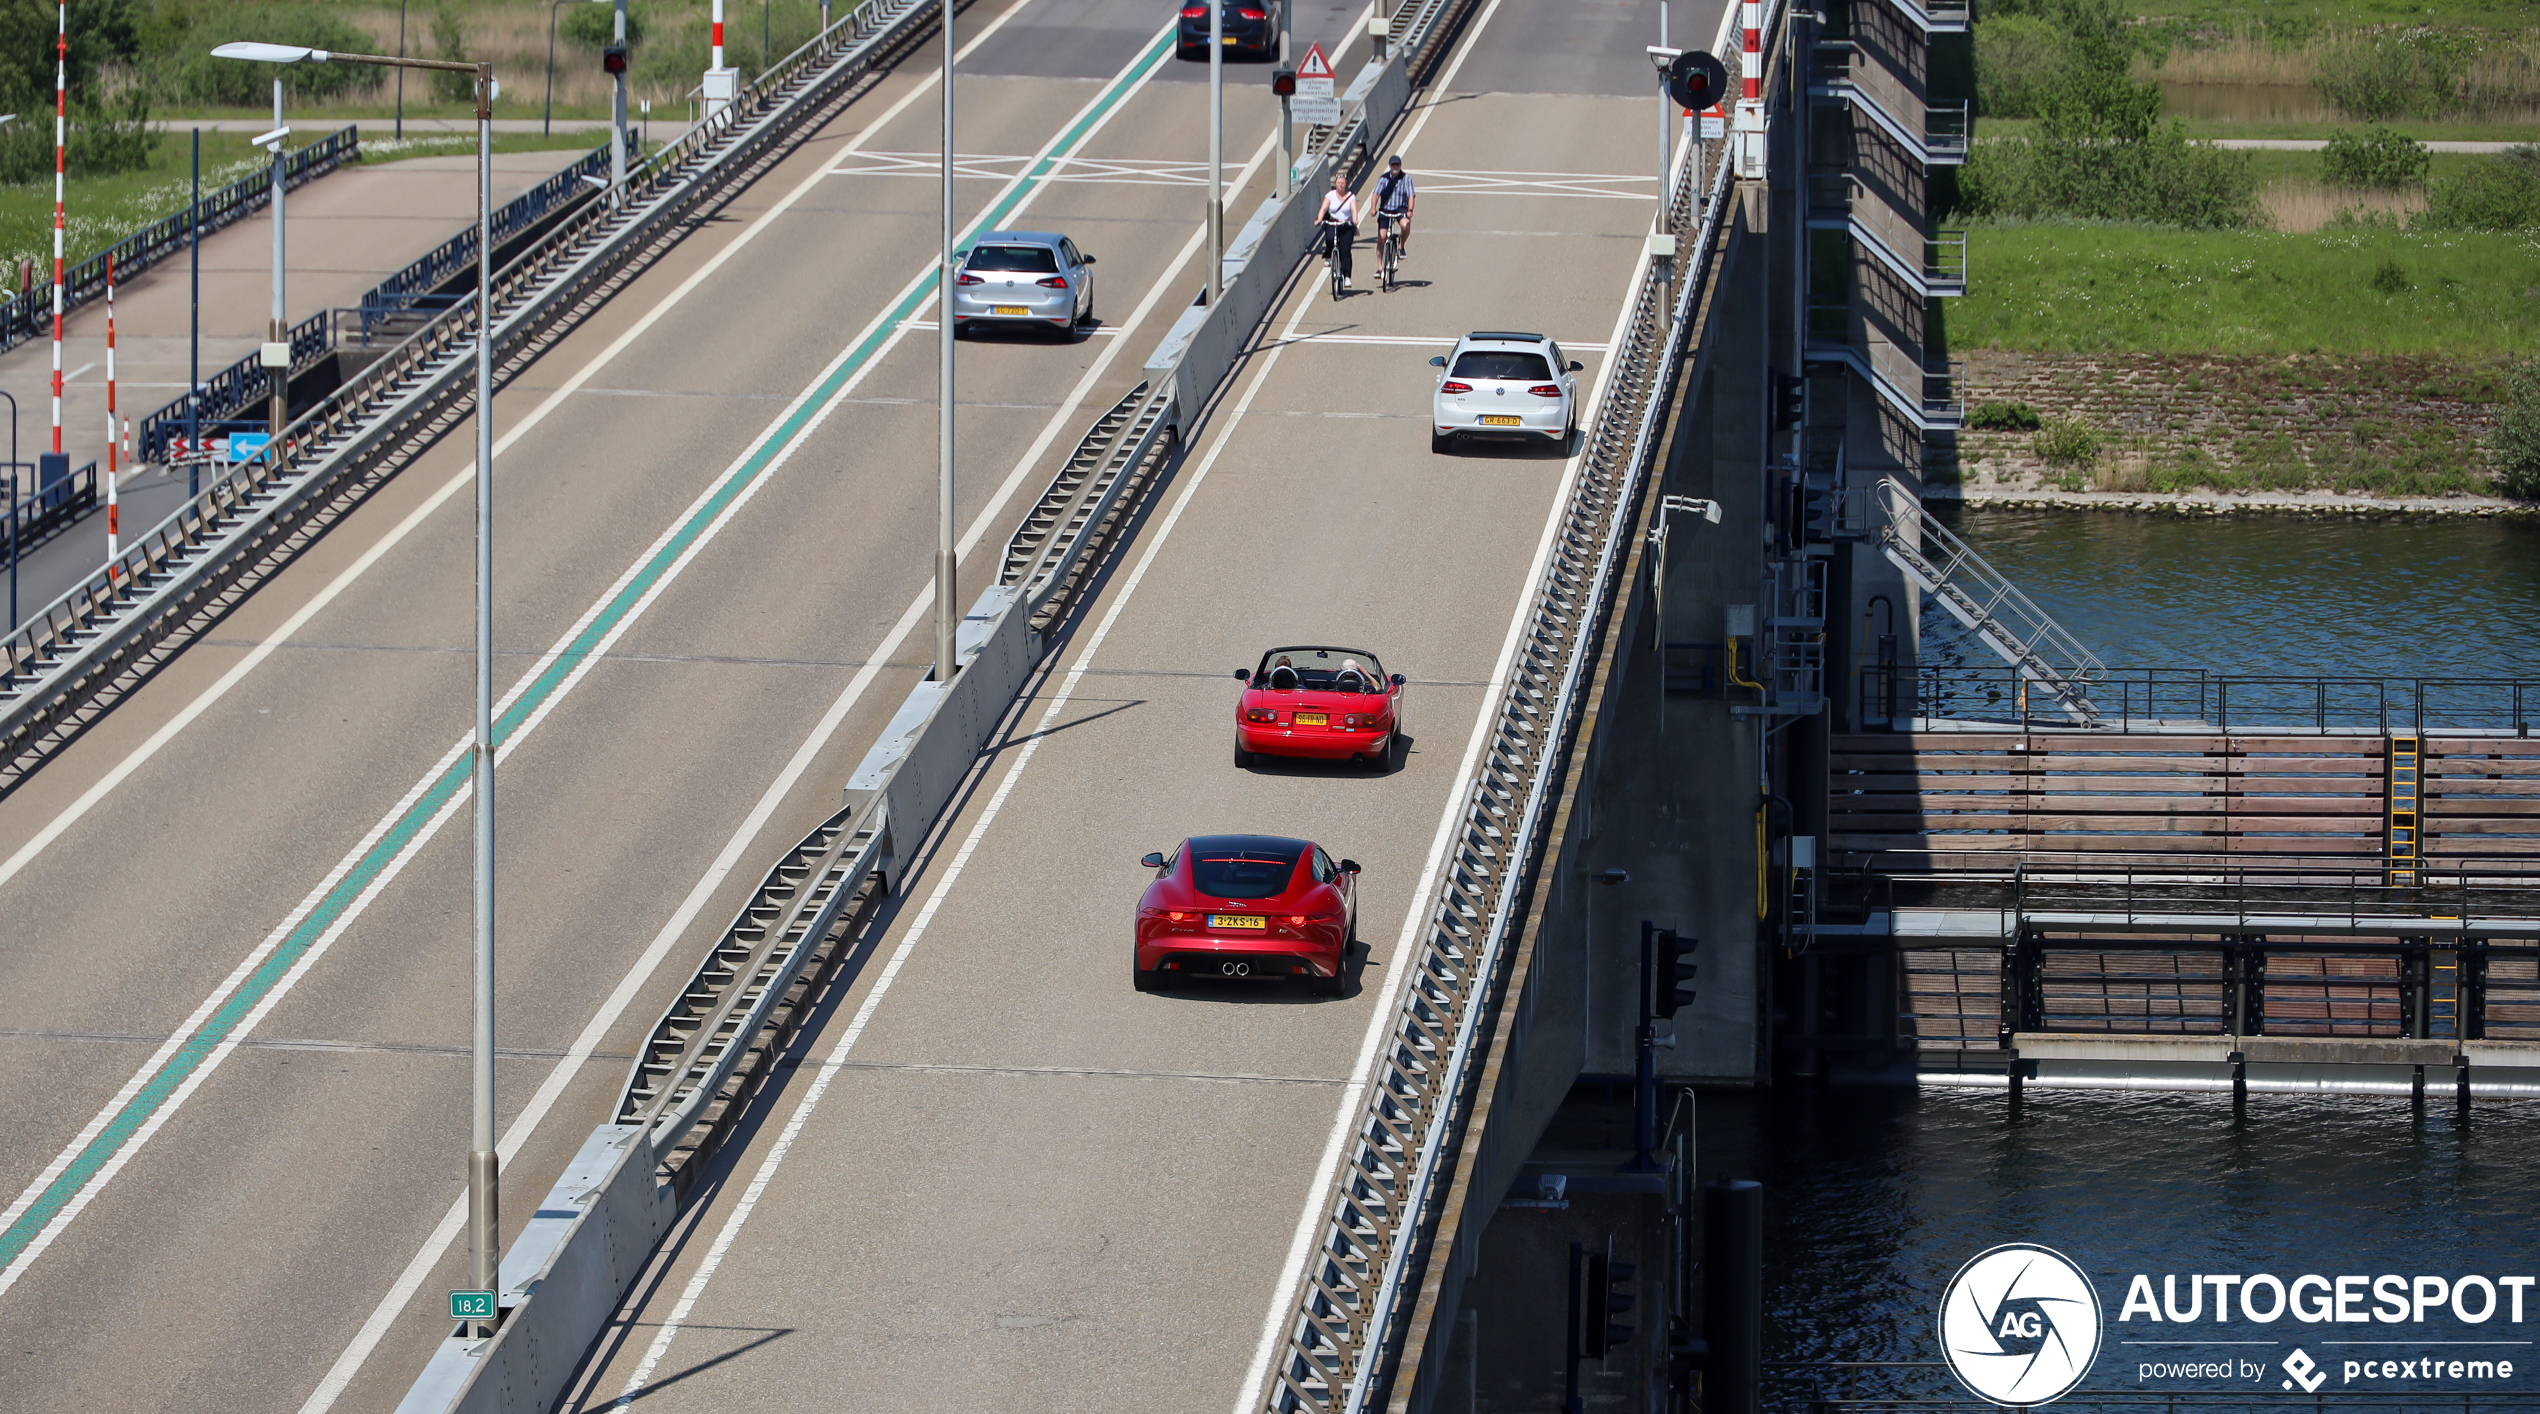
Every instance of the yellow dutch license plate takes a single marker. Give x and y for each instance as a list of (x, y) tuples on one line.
[(1013, 310), (1498, 419), (1238, 920), (1312, 719)]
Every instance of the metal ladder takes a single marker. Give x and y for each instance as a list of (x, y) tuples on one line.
[(1977, 595)]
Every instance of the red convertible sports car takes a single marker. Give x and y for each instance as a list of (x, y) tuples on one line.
[(1247, 906), (1328, 704)]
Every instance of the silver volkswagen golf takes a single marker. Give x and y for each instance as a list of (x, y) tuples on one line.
[(1503, 384), (1023, 277)]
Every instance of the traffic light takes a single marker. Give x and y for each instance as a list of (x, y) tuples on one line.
[(1671, 971), (613, 58), (1790, 401), (1605, 1302), (1283, 83)]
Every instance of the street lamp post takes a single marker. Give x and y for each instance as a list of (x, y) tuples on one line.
[(1216, 150), (547, 120), (947, 568), (276, 354), (484, 1170), (15, 468)]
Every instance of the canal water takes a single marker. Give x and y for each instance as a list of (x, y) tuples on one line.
[(1877, 1197), (2264, 595)]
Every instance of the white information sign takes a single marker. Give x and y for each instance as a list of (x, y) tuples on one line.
[(1315, 103)]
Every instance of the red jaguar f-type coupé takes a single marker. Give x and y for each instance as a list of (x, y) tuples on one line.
[(1247, 906)]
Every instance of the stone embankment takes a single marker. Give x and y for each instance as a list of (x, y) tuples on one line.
[(2206, 435)]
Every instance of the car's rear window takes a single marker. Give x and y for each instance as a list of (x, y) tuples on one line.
[(1021, 259), (1250, 872), (1501, 363)]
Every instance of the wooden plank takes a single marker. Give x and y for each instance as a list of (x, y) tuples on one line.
[(2448, 825), (2079, 804), (2528, 746), (2309, 742), (2453, 768), (2448, 806)]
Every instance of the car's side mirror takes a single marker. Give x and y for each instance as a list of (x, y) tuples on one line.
[(1089, 260), (1397, 679), (1438, 362), (1243, 674), (1154, 860), (1349, 866), (1574, 364)]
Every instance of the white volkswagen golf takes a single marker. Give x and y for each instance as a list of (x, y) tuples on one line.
[(1499, 384)]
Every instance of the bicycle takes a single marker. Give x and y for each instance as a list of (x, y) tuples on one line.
[(1388, 247), (1333, 235)]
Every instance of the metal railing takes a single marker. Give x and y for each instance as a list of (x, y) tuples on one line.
[(46, 511), (29, 314), (391, 304), (117, 619), (1353, 1299), (2146, 699), (1980, 597)]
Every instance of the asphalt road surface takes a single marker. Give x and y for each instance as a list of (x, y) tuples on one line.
[(235, 981)]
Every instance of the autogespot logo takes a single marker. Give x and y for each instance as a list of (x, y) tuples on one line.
[(2020, 1324)]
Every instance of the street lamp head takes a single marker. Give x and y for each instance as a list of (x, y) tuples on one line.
[(1662, 56), (261, 53)]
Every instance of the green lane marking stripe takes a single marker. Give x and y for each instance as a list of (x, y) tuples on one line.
[(190, 1056)]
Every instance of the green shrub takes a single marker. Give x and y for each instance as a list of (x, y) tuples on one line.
[(2500, 193), (2161, 178), (2375, 157), (2390, 278), (2065, 441), (184, 71), (2005, 417), (449, 41), (2515, 446), (2019, 61), (592, 26), (2394, 74)]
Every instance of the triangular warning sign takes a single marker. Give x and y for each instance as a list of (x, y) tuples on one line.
[(1315, 65)]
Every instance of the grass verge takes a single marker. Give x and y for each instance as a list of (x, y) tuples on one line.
[(2090, 287)]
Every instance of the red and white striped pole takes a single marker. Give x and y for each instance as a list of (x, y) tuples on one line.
[(718, 33), (61, 112), (1752, 70), (721, 85), (114, 441), (1746, 134)]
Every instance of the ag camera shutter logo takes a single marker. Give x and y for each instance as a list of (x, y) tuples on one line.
[(2019, 1324)]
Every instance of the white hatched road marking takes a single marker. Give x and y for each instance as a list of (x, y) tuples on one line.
[(985, 167), (1610, 186)]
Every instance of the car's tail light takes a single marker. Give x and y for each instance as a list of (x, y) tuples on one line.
[(1195, 12), (1252, 14), (966, 278), (1540, 390), (1296, 920), (1177, 917), (1353, 721), (1055, 282), (1260, 714), (1451, 386)]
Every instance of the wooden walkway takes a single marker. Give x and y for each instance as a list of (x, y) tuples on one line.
[(1909, 803)]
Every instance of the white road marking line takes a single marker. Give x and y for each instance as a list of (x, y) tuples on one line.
[(1284, 1299), (347, 1365), (775, 1157)]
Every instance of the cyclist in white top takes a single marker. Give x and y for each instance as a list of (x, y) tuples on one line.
[(1396, 194), (1339, 220)]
